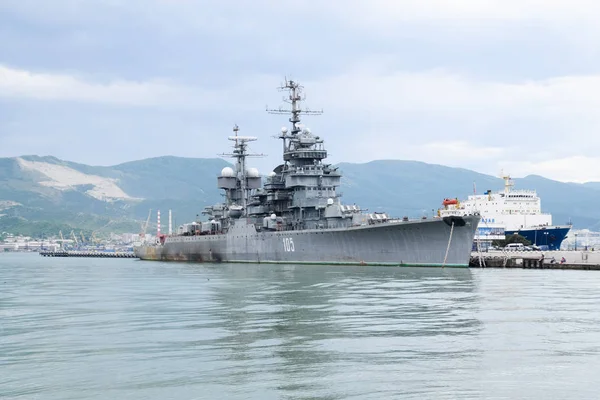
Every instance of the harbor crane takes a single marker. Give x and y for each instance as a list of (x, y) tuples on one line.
[(94, 239), (74, 238), (144, 226)]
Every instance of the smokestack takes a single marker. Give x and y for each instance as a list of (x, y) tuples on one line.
[(170, 223), (158, 223)]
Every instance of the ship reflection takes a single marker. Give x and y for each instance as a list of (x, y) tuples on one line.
[(306, 321)]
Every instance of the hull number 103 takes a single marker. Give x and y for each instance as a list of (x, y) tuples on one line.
[(288, 244)]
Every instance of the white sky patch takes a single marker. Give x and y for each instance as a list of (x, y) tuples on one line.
[(444, 81), (578, 169), (445, 118), (383, 14), (449, 153), (496, 9), (454, 152), (65, 178), (374, 86), (185, 12), (464, 113), (19, 83)]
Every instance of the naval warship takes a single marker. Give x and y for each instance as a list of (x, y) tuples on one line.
[(297, 217)]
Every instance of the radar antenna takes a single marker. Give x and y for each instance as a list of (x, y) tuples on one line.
[(240, 147), (240, 153), (296, 95)]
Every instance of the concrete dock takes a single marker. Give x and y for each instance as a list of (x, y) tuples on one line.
[(576, 260)]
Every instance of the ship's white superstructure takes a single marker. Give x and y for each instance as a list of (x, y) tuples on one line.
[(514, 212), (514, 209)]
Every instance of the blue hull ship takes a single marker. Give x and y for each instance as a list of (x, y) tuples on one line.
[(545, 237)]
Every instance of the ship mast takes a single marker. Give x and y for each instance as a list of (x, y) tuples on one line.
[(294, 98), (508, 183), (240, 153)]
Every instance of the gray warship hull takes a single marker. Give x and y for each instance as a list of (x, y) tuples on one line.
[(433, 242)]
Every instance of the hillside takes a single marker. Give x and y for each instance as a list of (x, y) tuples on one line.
[(46, 194), (414, 188), (409, 188)]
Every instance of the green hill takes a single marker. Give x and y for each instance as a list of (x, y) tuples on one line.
[(46, 194)]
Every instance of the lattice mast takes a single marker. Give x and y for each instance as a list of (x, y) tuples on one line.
[(240, 153), (295, 97)]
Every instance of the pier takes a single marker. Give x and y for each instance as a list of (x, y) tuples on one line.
[(94, 254), (574, 260)]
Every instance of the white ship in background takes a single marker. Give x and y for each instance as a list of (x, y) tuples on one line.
[(517, 211)]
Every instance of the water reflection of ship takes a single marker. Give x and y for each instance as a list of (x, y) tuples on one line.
[(300, 322)]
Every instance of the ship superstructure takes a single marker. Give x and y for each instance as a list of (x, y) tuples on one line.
[(297, 215), (515, 210)]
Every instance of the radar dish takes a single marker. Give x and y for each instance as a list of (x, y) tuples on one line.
[(252, 172), (227, 172)]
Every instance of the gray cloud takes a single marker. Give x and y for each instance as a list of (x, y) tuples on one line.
[(478, 84)]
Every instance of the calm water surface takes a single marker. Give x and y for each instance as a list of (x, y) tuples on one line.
[(129, 329)]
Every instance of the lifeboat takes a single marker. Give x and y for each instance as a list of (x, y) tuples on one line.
[(448, 202)]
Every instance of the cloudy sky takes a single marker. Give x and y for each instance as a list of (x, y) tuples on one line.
[(480, 84)]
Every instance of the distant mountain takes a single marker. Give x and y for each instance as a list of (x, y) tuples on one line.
[(415, 188), (567, 201), (592, 185), (45, 194), (408, 188)]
